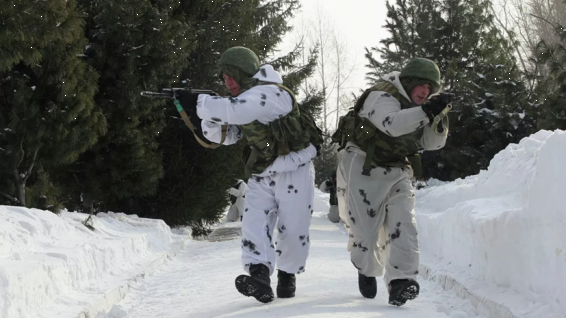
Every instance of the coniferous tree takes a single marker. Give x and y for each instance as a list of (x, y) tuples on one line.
[(193, 190), (474, 59), (134, 45), (553, 88), (47, 114)]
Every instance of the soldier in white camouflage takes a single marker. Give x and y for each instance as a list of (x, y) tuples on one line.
[(282, 141), (381, 138)]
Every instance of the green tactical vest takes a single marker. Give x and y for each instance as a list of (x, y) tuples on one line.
[(292, 132), (381, 148)]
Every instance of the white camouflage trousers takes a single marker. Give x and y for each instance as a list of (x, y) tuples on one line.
[(283, 200), (378, 212)]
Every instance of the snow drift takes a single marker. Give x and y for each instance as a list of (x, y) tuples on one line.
[(52, 266), (506, 227)]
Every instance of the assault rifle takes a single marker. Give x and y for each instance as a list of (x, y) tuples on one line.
[(446, 98), (174, 94)]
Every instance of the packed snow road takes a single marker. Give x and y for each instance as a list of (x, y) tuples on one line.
[(199, 283)]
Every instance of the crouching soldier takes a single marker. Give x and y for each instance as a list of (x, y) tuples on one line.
[(391, 122)]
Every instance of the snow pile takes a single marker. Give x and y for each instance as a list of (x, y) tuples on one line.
[(506, 226), (53, 266)]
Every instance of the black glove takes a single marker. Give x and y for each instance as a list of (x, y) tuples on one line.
[(437, 104), (188, 101)]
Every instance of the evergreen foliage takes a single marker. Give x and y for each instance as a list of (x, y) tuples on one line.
[(47, 115), (491, 109), (193, 189), (133, 45), (553, 88)]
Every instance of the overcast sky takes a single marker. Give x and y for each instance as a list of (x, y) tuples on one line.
[(359, 24)]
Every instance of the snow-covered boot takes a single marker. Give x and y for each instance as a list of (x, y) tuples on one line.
[(401, 290), (367, 285), (257, 284), (285, 284)]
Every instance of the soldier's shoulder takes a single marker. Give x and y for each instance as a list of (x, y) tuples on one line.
[(387, 88)]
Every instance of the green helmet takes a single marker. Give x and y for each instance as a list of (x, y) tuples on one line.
[(241, 58), (422, 68)]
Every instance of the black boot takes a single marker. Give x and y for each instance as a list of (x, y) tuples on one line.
[(257, 284), (401, 290), (367, 285), (285, 284)]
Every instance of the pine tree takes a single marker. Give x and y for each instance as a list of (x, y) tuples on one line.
[(553, 88), (134, 46), (193, 189), (474, 59), (47, 114)]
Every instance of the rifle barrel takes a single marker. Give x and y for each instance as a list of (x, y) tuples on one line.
[(156, 94)]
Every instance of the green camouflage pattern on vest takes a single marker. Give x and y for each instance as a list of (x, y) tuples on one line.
[(279, 137), (383, 149)]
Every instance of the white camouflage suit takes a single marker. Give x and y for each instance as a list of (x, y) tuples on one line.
[(379, 209), (282, 195)]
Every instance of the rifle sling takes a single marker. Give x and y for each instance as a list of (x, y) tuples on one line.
[(192, 128)]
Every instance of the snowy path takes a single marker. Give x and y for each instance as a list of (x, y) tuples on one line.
[(199, 283)]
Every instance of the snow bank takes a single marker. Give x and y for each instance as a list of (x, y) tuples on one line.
[(506, 227), (53, 266)]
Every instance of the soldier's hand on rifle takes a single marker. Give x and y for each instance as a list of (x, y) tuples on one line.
[(437, 104), (188, 101)]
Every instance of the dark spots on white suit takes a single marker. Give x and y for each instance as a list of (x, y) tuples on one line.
[(372, 213), (267, 233), (263, 72), (250, 246), (215, 119), (272, 183), (359, 245), (364, 196), (351, 217), (396, 232)]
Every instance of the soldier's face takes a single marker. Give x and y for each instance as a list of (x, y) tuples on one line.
[(420, 93), (232, 85)]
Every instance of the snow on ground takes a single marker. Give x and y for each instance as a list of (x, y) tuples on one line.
[(503, 232), (199, 283), (53, 266), (500, 233)]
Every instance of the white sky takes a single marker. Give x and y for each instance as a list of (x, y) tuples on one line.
[(359, 24)]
